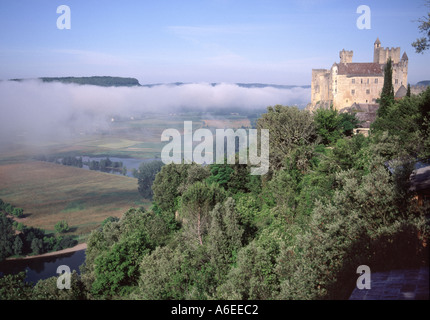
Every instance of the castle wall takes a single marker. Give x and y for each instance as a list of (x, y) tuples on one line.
[(357, 89), (381, 55), (320, 85)]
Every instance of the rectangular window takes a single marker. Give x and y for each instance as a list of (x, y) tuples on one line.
[(376, 80), (352, 91), (353, 81), (396, 81), (361, 81), (368, 80), (368, 91)]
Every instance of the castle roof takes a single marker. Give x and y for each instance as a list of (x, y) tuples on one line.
[(405, 56), (377, 41), (360, 69), (401, 92)]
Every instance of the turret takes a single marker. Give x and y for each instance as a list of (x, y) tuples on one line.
[(346, 56)]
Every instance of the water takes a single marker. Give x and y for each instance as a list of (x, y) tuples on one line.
[(129, 163), (44, 267)]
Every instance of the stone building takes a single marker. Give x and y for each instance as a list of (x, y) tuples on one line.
[(347, 83)]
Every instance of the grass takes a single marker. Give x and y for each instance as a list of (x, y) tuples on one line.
[(49, 193)]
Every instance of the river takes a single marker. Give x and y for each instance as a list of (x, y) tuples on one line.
[(43, 267), (129, 163)]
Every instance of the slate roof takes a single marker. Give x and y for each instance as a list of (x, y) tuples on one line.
[(364, 112), (360, 69), (401, 92)]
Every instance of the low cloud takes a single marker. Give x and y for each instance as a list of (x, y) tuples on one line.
[(40, 110)]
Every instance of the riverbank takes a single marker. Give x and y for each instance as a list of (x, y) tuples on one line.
[(79, 247)]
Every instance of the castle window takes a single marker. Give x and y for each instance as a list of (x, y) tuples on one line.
[(352, 91), (353, 81), (367, 91), (376, 80), (368, 80), (347, 101), (361, 81), (396, 81)]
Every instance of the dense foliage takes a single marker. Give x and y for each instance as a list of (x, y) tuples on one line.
[(332, 201), (16, 239)]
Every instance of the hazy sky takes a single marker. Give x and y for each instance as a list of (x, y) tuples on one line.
[(275, 41)]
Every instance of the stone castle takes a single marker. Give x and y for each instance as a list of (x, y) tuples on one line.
[(350, 83)]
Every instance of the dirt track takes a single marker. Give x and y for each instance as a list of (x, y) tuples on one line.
[(81, 246)]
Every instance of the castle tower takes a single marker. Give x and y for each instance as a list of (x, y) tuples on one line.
[(346, 56), (381, 55), (376, 49)]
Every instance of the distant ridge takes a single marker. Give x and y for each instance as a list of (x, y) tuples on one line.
[(423, 83), (103, 81)]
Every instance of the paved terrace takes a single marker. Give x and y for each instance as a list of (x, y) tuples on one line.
[(396, 285)]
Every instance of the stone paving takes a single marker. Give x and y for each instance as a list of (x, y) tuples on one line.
[(396, 285)]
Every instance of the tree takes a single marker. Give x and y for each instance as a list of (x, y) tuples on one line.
[(289, 128), (17, 246), (408, 92), (7, 235), (146, 176), (14, 287), (62, 226), (37, 246), (197, 201), (387, 94), (18, 212), (422, 44)]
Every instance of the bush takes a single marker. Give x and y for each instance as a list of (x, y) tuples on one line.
[(62, 227)]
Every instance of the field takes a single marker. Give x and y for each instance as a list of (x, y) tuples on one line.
[(49, 193)]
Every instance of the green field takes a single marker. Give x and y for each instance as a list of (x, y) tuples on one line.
[(50, 192)]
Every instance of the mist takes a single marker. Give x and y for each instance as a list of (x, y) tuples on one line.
[(37, 111)]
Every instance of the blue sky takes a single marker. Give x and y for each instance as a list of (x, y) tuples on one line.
[(163, 41)]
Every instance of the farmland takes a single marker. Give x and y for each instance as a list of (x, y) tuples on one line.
[(50, 192)]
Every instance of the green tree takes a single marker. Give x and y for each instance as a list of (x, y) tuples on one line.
[(37, 246), (162, 275), (17, 246), (197, 201), (251, 278), (224, 240), (117, 270), (47, 289), (146, 176), (18, 212), (387, 94), (62, 226), (220, 174), (14, 287), (422, 44), (166, 187), (7, 235), (289, 128)]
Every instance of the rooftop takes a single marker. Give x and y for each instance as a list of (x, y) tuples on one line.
[(360, 69)]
